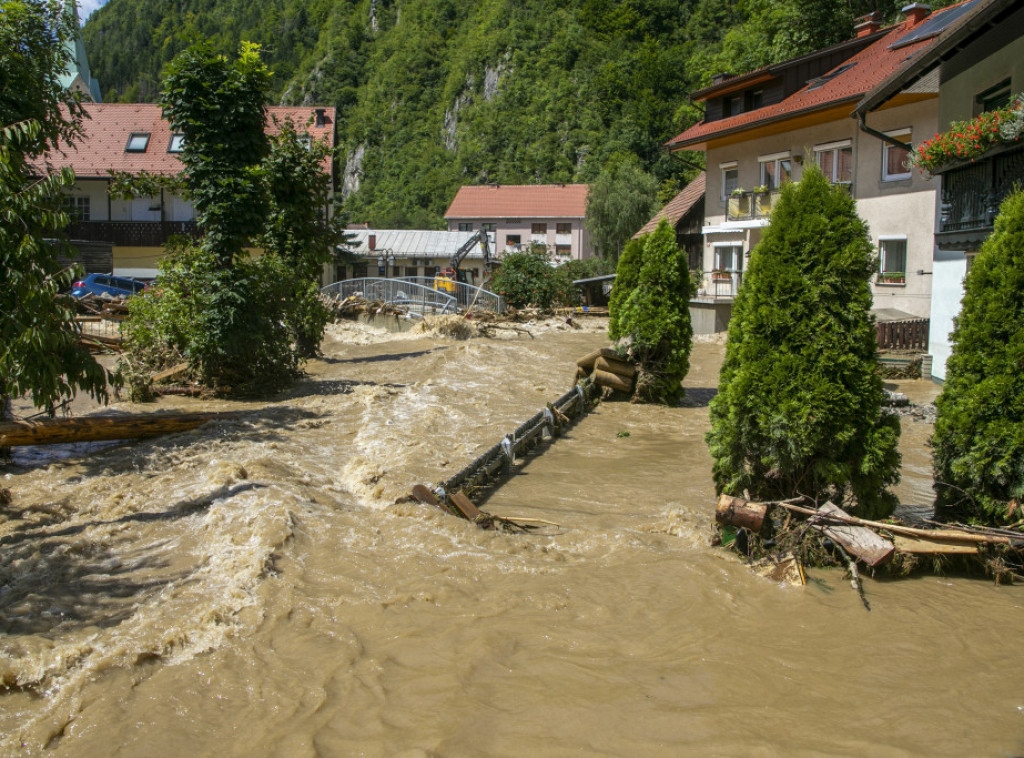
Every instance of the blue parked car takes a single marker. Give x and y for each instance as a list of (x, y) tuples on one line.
[(99, 284)]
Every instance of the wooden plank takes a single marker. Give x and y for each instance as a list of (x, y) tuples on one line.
[(102, 428), (858, 541), (170, 373), (423, 495), (470, 511), (924, 546)]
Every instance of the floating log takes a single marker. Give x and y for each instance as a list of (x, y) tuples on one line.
[(735, 511), (102, 428), (923, 546), (858, 541), (587, 361), (613, 381), (621, 368)]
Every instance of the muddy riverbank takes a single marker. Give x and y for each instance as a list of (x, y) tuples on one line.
[(251, 588)]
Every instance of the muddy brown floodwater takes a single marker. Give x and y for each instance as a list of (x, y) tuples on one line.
[(251, 588)]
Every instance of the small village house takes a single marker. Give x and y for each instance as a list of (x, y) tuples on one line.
[(394, 253), (522, 216), (976, 65), (127, 237), (762, 128)]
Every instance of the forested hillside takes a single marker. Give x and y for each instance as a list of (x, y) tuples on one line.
[(433, 94)]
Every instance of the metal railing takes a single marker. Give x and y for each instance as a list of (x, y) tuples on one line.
[(971, 194), (419, 294), (132, 233)]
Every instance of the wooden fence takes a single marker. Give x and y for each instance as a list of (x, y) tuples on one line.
[(903, 335)]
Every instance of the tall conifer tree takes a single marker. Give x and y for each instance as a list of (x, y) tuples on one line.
[(798, 409), (979, 432)]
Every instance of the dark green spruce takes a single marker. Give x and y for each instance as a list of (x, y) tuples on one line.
[(798, 410), (979, 432)]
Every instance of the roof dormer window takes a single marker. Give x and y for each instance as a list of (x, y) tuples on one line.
[(177, 144), (137, 142)]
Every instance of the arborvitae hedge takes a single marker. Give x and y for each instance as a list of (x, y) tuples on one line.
[(979, 431), (799, 397), (627, 274), (656, 317)]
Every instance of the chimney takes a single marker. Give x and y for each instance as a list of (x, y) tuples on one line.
[(321, 116), (868, 24), (916, 13), (372, 242)]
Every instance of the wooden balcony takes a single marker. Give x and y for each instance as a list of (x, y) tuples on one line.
[(971, 195), (130, 233)]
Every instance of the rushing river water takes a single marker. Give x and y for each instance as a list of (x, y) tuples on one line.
[(252, 588)]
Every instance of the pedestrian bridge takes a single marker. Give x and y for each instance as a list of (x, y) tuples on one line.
[(421, 295)]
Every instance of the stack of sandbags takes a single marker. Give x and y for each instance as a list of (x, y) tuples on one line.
[(607, 369)]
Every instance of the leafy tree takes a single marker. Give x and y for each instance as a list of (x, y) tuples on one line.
[(798, 409), (620, 201), (655, 318), (979, 431), (588, 268), (627, 275), (40, 352), (528, 278), (298, 230)]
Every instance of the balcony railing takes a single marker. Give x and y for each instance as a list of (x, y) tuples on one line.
[(972, 193), (130, 233), (746, 206)]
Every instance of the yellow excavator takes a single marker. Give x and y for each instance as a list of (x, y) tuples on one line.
[(447, 279)]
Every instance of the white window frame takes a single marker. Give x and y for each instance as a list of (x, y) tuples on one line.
[(717, 248), (835, 147), (776, 175), (725, 168), (904, 135), (882, 240)]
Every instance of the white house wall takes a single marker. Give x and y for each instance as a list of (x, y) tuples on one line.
[(891, 208), (950, 268)]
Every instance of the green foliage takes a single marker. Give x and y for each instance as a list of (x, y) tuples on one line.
[(655, 318), (588, 268), (40, 352), (627, 275), (621, 200), (528, 278), (979, 432), (798, 409)]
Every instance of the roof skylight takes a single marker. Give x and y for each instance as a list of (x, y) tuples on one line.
[(137, 142)]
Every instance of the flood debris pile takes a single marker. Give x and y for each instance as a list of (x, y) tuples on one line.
[(608, 369), (796, 533), (502, 459)]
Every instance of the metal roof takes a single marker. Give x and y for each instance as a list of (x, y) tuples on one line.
[(410, 243)]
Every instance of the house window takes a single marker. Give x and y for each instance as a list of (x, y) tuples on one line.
[(565, 250), (776, 170), (465, 226), (511, 240), (893, 260), (340, 273), (728, 259), (835, 161), (730, 178), (488, 226), (755, 99), (894, 159), (538, 228), (137, 142), (733, 105), (77, 208), (564, 228), (410, 271), (993, 98), (360, 269), (177, 143)]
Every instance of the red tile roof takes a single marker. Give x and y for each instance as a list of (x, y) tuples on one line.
[(845, 83), (109, 125), (678, 206), (520, 201)]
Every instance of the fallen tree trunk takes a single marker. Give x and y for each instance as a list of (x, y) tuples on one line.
[(102, 428), (735, 511)]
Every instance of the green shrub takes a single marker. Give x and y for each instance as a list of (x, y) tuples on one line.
[(798, 410), (656, 318), (627, 274), (528, 278), (979, 430)]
